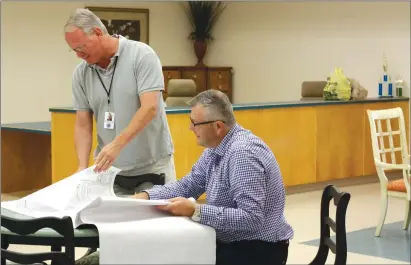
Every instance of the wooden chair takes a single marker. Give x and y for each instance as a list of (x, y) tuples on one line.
[(312, 90), (27, 227), (396, 146), (339, 248)]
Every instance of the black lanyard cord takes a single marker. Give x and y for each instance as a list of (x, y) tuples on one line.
[(111, 82)]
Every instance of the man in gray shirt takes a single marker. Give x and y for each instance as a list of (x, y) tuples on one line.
[(120, 81)]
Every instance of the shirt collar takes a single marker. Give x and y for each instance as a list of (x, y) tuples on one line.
[(222, 147), (121, 44)]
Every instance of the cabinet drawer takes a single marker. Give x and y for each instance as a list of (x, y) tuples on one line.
[(198, 76), (220, 80)]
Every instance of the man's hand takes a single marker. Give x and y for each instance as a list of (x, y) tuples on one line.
[(80, 168), (179, 206), (146, 113), (142, 196), (107, 156)]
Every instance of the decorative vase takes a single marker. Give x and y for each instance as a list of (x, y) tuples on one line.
[(200, 48)]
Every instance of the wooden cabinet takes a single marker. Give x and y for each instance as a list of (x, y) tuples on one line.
[(219, 78)]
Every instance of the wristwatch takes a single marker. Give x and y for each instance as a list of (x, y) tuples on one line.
[(197, 214)]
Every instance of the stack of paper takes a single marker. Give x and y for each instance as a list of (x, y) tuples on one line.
[(130, 231)]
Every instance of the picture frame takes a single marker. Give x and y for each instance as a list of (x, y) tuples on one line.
[(132, 23)]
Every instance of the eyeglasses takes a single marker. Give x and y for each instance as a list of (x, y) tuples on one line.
[(79, 49), (204, 122)]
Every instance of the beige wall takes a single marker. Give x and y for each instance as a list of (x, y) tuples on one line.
[(272, 47)]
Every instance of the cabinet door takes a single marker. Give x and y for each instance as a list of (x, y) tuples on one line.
[(199, 77), (220, 80)]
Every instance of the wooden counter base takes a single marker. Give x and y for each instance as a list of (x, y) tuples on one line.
[(25, 160)]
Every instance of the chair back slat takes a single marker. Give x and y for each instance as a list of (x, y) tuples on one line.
[(391, 141), (381, 139), (63, 226), (388, 135)]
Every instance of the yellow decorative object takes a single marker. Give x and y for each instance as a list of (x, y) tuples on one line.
[(338, 86)]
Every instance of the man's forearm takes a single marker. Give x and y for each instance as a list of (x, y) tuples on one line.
[(231, 218), (191, 185), (83, 142), (140, 120)]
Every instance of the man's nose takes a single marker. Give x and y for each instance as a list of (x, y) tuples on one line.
[(81, 55)]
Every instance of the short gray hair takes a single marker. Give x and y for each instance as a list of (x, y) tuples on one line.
[(217, 104), (85, 20)]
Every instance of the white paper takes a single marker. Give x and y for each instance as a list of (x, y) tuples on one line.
[(111, 211), (67, 196), (131, 231), (161, 240)]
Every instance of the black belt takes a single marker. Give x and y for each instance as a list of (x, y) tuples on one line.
[(133, 181), (254, 242)]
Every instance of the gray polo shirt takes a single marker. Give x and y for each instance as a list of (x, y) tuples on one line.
[(138, 70)]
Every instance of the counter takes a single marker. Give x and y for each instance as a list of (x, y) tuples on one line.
[(313, 140), (25, 156)]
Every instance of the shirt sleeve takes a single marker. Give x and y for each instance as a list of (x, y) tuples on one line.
[(79, 96), (192, 185), (248, 183), (149, 74)]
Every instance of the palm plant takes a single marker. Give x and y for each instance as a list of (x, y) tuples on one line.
[(202, 16)]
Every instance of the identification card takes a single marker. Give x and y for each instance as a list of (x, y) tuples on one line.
[(109, 120)]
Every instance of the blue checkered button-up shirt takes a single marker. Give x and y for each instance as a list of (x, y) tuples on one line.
[(244, 189)]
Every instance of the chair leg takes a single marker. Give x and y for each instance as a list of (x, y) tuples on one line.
[(383, 213), (55, 248), (4, 245), (407, 218)]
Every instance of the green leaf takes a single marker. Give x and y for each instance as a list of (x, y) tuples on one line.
[(203, 16)]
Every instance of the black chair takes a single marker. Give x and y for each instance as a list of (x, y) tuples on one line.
[(156, 179), (63, 226), (131, 183), (339, 248)]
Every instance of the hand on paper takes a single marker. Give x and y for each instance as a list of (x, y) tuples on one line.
[(179, 206), (107, 156)]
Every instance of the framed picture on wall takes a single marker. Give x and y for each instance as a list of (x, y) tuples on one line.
[(131, 23)]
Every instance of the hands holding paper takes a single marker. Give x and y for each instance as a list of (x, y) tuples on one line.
[(107, 156), (179, 206)]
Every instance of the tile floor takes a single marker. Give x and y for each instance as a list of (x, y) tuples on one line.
[(303, 211)]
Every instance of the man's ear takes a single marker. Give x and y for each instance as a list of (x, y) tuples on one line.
[(98, 32), (220, 125)]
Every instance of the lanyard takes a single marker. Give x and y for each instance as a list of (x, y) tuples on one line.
[(111, 82)]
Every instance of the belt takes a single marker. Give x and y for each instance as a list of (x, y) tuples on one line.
[(134, 181), (251, 242)]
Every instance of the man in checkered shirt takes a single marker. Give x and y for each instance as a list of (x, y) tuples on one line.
[(243, 184)]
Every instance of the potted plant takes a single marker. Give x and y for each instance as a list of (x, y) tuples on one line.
[(202, 16)]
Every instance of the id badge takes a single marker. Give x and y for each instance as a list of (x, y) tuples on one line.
[(109, 120)]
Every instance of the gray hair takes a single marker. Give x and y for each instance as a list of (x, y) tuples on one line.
[(85, 20), (217, 105)]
